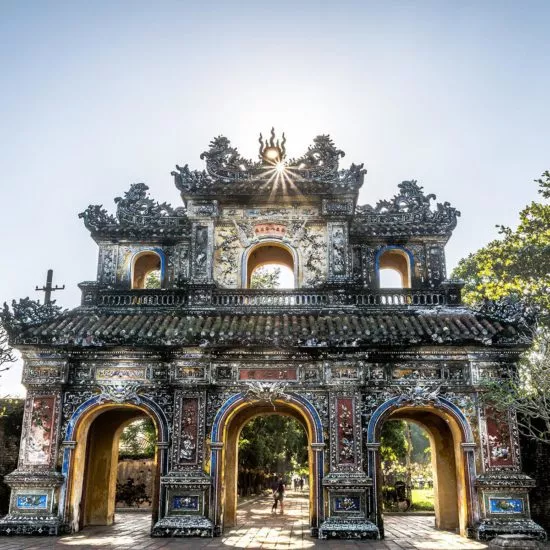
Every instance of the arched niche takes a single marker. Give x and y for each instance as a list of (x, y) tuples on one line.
[(145, 264), (396, 262), (268, 252)]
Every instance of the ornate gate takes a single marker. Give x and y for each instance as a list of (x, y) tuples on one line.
[(170, 329)]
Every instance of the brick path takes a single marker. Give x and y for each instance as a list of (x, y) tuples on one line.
[(257, 528)]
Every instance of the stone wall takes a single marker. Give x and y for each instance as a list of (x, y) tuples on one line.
[(11, 419), (536, 458), (141, 470)]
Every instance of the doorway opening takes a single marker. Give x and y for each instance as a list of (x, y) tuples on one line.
[(97, 474), (270, 266), (306, 432), (440, 482), (406, 464), (272, 448)]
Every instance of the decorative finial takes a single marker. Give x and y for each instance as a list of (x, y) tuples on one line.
[(272, 152)]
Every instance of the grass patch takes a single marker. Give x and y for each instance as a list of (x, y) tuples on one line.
[(422, 500)]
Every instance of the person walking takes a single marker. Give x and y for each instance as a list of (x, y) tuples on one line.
[(274, 487), (279, 495)]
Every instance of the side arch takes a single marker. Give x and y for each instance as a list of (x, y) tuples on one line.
[(76, 435), (453, 425), (231, 416)]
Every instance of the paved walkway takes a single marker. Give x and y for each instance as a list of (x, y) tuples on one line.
[(257, 528)]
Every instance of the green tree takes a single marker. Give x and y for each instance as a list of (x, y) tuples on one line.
[(273, 443), (138, 439), (516, 267), (517, 264), (265, 276), (7, 355), (152, 279)]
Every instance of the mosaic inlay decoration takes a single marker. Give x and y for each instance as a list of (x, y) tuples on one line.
[(185, 503), (121, 373), (344, 416), (39, 439), (268, 374), (499, 441), (506, 505), (347, 504), (29, 502), (189, 430)]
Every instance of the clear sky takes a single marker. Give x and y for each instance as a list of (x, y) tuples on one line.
[(97, 95)]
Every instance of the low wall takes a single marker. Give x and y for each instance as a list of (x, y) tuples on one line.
[(141, 470)]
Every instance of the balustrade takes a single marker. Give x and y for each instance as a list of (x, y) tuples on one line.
[(276, 299)]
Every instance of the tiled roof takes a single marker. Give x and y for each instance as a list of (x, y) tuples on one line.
[(434, 326)]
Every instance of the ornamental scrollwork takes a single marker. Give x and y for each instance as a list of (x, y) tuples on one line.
[(315, 171), (410, 210), (137, 215), (511, 309), (266, 391), (27, 313)]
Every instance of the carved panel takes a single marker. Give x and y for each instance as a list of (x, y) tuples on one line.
[(345, 432), (40, 428), (338, 251), (268, 374), (202, 253), (498, 440), (189, 437)]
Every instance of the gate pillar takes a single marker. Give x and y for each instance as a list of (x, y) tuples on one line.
[(347, 484), (35, 483)]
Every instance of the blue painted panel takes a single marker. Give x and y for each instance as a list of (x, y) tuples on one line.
[(506, 506), (346, 504), (185, 503), (32, 501)]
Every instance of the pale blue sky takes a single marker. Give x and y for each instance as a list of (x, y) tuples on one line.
[(97, 95)]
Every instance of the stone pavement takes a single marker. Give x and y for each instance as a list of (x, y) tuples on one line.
[(257, 528)]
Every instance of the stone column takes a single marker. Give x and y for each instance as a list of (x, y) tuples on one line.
[(372, 463), (503, 489), (35, 484), (184, 490), (346, 483)]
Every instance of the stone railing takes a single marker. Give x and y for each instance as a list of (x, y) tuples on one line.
[(223, 299)]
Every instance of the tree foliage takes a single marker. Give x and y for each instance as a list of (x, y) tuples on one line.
[(273, 443), (7, 355), (266, 276), (517, 267), (152, 279), (138, 439), (517, 264)]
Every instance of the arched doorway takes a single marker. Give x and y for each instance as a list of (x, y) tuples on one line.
[(269, 254), (453, 468), (230, 420), (90, 462)]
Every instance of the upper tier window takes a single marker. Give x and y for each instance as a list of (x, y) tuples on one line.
[(394, 270), (270, 266), (146, 271)]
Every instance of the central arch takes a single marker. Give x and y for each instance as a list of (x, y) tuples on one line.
[(229, 421)]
